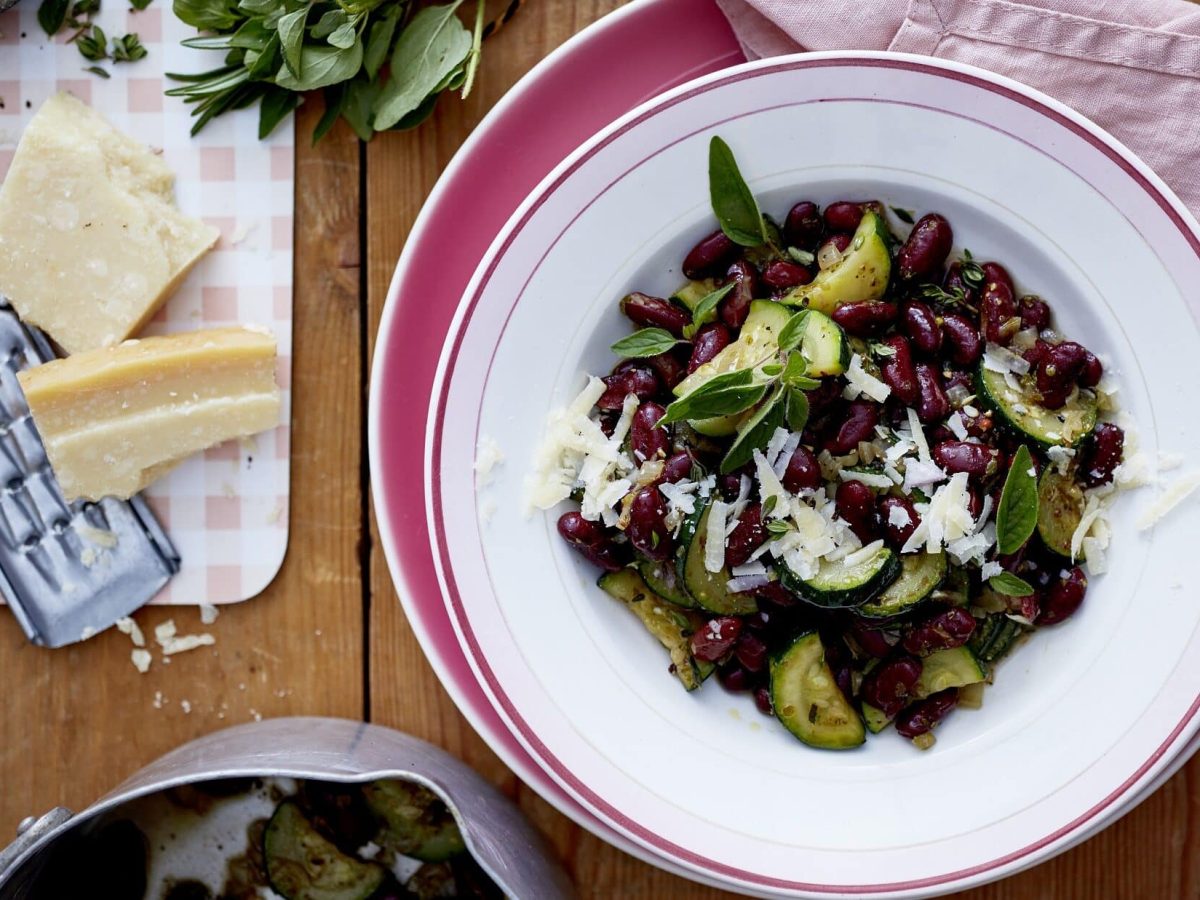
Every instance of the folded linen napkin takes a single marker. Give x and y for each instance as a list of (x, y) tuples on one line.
[(1132, 66)]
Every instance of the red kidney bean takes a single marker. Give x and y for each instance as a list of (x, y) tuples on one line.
[(1035, 312), (736, 305), (843, 677), (1057, 372), (783, 275), (867, 318), (716, 638), (1092, 372), (802, 228), (922, 327), (963, 343), (950, 628), (668, 367), (855, 503), (735, 678), (859, 425), (1035, 354), (975, 501), (710, 256), (933, 406), (730, 485), (993, 272), (898, 372), (803, 471), (709, 341), (889, 686), (958, 378), (648, 531), (627, 379), (678, 466), (746, 537), (751, 652), (654, 312), (762, 699), (592, 541), (897, 535), (646, 440), (954, 283), (998, 312), (927, 247), (823, 398), (1063, 598), (921, 717), (841, 240), (843, 215), (977, 460), (774, 594), (873, 641), (1102, 454)]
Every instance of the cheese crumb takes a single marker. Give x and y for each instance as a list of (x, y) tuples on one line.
[(141, 659), (488, 455), (1173, 495), (860, 382), (127, 626), (714, 542), (208, 613)]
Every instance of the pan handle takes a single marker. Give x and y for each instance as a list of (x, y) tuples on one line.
[(29, 832)]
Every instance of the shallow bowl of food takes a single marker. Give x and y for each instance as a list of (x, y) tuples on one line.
[(1022, 383)]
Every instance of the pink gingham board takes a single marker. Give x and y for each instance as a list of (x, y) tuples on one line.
[(226, 510)]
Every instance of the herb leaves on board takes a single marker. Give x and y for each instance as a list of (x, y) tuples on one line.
[(91, 41)]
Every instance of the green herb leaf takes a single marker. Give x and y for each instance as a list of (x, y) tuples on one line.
[(769, 504), (322, 66), (706, 310), (797, 409), (771, 370), (724, 395), (803, 257), (1010, 585), (93, 45), (732, 201), (792, 333), (380, 39), (335, 101), (51, 14), (938, 295), (266, 62), (646, 342), (430, 50), (140, 5), (291, 39), (793, 373), (904, 215), (344, 37), (127, 49), (96, 70), (970, 271), (276, 105), (1017, 514), (756, 433), (472, 64), (208, 15), (360, 99), (329, 22), (779, 527)]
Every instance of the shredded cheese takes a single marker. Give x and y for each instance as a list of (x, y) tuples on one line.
[(487, 456), (918, 436), (1173, 495), (714, 544), (860, 382)]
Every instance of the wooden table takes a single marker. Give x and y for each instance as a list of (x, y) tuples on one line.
[(328, 637)]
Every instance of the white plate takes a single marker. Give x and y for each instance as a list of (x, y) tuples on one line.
[(1081, 719)]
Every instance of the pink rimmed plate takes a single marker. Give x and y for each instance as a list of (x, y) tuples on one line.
[(1082, 719)]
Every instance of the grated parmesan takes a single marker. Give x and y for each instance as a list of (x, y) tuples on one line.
[(1173, 495), (918, 436), (141, 659), (859, 382), (487, 456), (714, 544)]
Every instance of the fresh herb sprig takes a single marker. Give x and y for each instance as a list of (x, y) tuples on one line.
[(1017, 512), (91, 41)]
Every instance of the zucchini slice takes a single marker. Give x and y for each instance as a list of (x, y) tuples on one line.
[(415, 821), (920, 575), (1060, 509), (808, 701), (861, 274), (951, 668), (824, 346), (302, 865), (662, 579), (692, 292), (995, 637), (876, 719), (671, 625), (1022, 413), (836, 585), (705, 587)]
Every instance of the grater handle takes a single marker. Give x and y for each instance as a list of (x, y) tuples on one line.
[(30, 832)]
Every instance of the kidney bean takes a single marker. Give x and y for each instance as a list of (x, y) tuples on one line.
[(867, 318), (627, 379), (654, 312), (932, 406), (730, 485), (708, 342), (746, 537), (927, 247), (592, 541), (921, 717), (751, 652), (954, 283), (648, 531), (922, 327), (855, 503), (823, 398), (782, 275), (844, 679), (975, 501), (1035, 312), (841, 240), (803, 471), (897, 535), (951, 628), (712, 254), (775, 595), (977, 460), (735, 678), (873, 641), (994, 273), (1063, 598), (859, 425), (714, 641), (762, 699), (1092, 372), (843, 215), (736, 305), (963, 343), (677, 467), (998, 312), (889, 686), (1057, 372), (646, 440), (958, 378), (668, 367), (898, 372), (1102, 454), (802, 228)]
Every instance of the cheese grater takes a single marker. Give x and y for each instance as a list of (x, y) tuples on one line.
[(67, 570)]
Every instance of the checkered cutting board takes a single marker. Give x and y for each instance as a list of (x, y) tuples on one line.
[(226, 511)]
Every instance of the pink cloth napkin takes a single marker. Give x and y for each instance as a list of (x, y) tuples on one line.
[(1132, 66)]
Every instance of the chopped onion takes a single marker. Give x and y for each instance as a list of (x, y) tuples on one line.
[(828, 255)]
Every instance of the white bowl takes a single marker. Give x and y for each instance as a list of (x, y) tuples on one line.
[(1081, 718)]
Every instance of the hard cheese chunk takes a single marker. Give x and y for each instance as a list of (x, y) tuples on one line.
[(91, 243), (115, 419)]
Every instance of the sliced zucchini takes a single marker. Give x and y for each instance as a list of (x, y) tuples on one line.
[(836, 585), (994, 637), (692, 292), (876, 718), (824, 346), (861, 274), (807, 700), (661, 578), (415, 821), (951, 668), (1060, 509), (670, 624), (920, 575), (705, 587), (1022, 413), (302, 865)]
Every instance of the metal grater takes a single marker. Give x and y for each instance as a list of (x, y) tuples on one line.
[(67, 570)]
